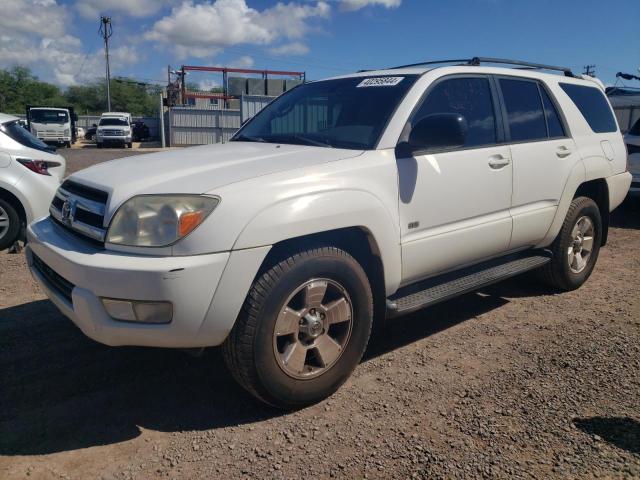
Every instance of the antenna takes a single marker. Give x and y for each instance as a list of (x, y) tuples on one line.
[(106, 30)]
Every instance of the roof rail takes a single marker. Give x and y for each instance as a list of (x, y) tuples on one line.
[(476, 61)]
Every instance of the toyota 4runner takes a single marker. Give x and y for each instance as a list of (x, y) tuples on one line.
[(343, 202)]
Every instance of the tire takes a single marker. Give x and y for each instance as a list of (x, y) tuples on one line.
[(99, 145), (559, 273), (255, 352), (9, 224), (67, 144), (130, 144)]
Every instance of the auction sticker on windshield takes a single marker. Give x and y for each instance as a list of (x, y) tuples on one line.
[(380, 82)]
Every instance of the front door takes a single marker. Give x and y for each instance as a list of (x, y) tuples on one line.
[(454, 202)]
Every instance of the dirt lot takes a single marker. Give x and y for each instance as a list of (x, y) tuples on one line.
[(514, 381)]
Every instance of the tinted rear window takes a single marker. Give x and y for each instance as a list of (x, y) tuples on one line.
[(524, 110), (593, 105)]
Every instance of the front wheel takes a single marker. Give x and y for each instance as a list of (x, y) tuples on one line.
[(9, 225), (303, 329), (576, 248)]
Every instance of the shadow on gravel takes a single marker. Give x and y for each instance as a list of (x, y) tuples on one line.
[(61, 391), (627, 215), (398, 332), (623, 432)]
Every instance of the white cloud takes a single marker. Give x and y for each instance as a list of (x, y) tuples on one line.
[(91, 9), (194, 29), (33, 17), (33, 35), (352, 5), (295, 48), (242, 62)]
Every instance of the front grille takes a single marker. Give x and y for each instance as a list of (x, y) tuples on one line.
[(55, 281), (113, 133), (81, 210)]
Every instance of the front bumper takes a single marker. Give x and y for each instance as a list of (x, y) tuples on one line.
[(113, 139), (200, 318)]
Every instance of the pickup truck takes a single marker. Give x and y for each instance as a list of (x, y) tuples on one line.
[(343, 203)]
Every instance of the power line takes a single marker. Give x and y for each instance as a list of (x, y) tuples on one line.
[(589, 70)]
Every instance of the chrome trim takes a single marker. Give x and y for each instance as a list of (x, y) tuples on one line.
[(68, 220), (86, 204)]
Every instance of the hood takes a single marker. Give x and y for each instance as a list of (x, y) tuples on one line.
[(202, 169)]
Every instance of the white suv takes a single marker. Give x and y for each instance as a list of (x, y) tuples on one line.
[(342, 202)]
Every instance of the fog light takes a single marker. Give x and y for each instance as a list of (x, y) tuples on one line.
[(119, 309), (153, 312), (134, 311)]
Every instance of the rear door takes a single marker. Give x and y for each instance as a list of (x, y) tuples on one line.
[(454, 202), (542, 153)]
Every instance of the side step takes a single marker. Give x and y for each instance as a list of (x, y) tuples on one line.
[(443, 287)]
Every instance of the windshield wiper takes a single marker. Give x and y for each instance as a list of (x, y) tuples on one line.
[(301, 140), (246, 138)]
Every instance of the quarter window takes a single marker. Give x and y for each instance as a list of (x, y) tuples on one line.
[(469, 97), (593, 106), (525, 115), (553, 119)]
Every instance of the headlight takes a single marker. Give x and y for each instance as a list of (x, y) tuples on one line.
[(67, 131), (159, 220)]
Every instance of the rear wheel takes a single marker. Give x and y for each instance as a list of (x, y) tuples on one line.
[(303, 329), (576, 248), (9, 224)]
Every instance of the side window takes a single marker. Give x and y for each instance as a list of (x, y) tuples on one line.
[(524, 110), (469, 97), (553, 119), (593, 105)]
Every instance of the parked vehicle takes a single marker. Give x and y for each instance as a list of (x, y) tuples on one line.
[(140, 131), (90, 132), (53, 124), (30, 173), (114, 128), (632, 141), (342, 202)]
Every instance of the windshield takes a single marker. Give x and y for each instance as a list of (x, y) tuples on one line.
[(344, 113), (17, 132), (110, 121), (48, 116)]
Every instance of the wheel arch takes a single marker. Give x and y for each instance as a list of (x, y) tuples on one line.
[(598, 191)]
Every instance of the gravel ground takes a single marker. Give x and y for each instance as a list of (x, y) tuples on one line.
[(510, 382)]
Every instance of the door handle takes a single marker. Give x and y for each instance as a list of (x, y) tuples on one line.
[(498, 161), (563, 151)]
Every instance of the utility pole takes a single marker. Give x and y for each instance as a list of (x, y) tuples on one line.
[(106, 30), (589, 70)]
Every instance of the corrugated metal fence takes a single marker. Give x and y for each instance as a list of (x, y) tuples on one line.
[(195, 125)]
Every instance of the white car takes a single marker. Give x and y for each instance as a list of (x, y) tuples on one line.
[(30, 173), (342, 202), (632, 140)]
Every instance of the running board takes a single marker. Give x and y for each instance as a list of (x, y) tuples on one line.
[(449, 285)]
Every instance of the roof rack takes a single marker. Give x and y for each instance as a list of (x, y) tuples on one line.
[(476, 61)]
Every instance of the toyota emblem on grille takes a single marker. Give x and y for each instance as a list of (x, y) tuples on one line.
[(66, 211)]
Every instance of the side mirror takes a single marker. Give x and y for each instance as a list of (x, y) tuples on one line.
[(440, 131)]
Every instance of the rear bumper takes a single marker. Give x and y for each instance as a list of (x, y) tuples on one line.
[(200, 317)]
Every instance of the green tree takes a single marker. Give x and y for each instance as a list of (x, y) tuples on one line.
[(19, 88)]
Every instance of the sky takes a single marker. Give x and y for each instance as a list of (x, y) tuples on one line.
[(59, 40)]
